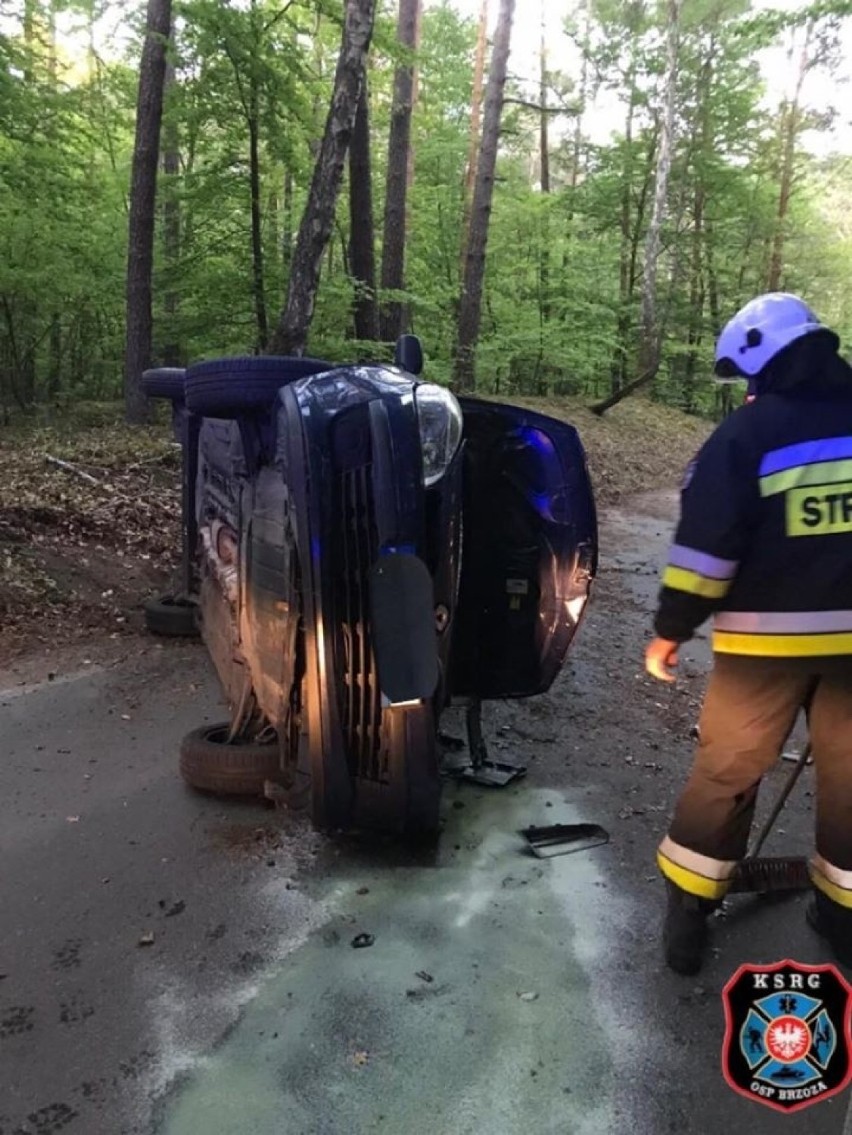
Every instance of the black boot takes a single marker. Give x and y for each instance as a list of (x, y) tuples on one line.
[(833, 923), (685, 930)]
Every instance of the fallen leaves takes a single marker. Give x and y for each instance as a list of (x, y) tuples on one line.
[(84, 537)]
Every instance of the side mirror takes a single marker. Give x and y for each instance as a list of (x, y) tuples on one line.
[(409, 354)]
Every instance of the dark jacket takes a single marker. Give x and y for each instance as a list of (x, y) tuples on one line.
[(764, 541)]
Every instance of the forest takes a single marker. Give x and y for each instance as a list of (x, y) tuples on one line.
[(178, 178)]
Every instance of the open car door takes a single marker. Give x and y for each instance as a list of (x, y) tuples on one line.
[(529, 551)]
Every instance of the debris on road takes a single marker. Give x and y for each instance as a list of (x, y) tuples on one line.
[(147, 939), (361, 941), (424, 976), (528, 996), (424, 993), (562, 839)]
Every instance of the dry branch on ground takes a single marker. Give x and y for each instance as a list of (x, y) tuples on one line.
[(89, 526)]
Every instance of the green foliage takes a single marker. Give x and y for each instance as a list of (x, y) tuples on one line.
[(564, 270)]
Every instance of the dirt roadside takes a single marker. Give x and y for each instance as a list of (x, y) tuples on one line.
[(85, 541)]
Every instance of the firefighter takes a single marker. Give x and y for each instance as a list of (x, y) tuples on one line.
[(764, 545)]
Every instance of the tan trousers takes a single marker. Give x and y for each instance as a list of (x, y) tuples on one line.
[(749, 711)]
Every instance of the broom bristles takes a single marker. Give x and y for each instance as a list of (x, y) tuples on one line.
[(762, 876)]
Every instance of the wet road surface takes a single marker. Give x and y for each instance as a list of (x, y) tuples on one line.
[(501, 993)]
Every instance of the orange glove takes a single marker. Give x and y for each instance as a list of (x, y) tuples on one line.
[(661, 659)]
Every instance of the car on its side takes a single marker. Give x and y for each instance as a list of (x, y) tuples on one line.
[(363, 550)]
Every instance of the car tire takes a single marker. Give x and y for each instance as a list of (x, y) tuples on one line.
[(227, 388), (209, 764), (172, 617), (165, 382)]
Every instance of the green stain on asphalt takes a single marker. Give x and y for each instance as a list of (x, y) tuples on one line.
[(344, 1040)]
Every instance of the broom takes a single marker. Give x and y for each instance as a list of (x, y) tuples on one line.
[(777, 874)]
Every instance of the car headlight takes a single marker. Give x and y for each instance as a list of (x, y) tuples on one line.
[(439, 417)]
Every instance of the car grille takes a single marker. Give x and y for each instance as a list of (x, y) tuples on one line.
[(355, 547)]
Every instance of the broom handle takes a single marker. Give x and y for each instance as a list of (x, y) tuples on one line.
[(780, 802)]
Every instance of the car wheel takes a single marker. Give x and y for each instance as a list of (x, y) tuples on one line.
[(226, 388), (172, 617), (210, 764), (164, 382)]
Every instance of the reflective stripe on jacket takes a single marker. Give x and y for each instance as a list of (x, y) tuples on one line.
[(764, 541)]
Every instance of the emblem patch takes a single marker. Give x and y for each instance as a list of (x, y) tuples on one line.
[(787, 1034)]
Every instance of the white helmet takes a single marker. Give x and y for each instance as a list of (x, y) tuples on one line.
[(759, 331)]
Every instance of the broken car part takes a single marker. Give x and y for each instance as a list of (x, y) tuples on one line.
[(563, 839)]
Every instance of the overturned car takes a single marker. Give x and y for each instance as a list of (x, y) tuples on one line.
[(361, 550)]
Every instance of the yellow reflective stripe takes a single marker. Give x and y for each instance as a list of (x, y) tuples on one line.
[(782, 645), (822, 473), (691, 881), (680, 579), (706, 865), (837, 894), (835, 875)]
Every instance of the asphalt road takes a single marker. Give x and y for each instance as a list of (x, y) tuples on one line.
[(502, 994)]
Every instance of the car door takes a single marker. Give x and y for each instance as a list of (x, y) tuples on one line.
[(529, 551)]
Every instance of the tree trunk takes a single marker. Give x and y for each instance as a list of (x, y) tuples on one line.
[(475, 121), (172, 354), (649, 353), (470, 307), (287, 224), (696, 301), (362, 255), (618, 364), (790, 126), (26, 307), (51, 44), (415, 92), (257, 273), (544, 175), (396, 190), (30, 17), (143, 198), (91, 52), (291, 334), (258, 279), (703, 286), (577, 140), (54, 365), (650, 345), (54, 362)]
